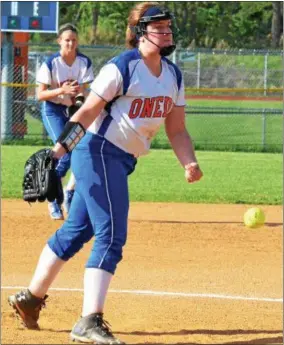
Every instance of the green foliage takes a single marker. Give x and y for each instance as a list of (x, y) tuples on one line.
[(252, 23), (210, 24), (86, 10), (223, 24)]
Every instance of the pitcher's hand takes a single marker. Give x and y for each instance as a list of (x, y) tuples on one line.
[(192, 172)]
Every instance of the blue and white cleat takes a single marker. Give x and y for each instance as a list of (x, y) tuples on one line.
[(55, 211)]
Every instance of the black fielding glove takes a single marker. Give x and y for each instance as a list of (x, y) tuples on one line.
[(40, 180)]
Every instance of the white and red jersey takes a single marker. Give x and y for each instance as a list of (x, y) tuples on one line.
[(138, 101), (55, 71)]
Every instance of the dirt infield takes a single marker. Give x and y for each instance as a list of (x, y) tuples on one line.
[(203, 278)]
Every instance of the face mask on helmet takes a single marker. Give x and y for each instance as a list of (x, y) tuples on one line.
[(155, 14)]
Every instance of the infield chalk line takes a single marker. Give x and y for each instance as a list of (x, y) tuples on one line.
[(164, 293)]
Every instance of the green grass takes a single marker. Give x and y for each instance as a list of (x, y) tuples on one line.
[(231, 133), (228, 178), (250, 178), (35, 126), (209, 132), (234, 104), (247, 133), (34, 134)]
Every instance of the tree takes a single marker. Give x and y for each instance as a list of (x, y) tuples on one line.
[(113, 21), (96, 13), (277, 19), (88, 16), (234, 24)]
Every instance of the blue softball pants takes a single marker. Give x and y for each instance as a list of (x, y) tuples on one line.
[(54, 120), (100, 204)]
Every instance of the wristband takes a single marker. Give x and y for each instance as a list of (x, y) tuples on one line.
[(72, 133)]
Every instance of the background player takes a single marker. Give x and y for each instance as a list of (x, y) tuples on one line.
[(62, 78), (133, 95)]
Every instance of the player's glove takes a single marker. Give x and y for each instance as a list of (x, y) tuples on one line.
[(40, 179), (79, 100)]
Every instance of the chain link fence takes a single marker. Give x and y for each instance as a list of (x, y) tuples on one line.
[(231, 129), (217, 125), (239, 71)]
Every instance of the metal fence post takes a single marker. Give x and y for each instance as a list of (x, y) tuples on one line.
[(174, 57), (37, 65), (7, 90), (44, 131), (265, 74), (263, 129)]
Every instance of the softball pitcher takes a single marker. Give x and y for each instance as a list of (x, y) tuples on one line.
[(133, 95), (61, 80)]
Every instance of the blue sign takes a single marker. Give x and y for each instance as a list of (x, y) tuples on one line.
[(29, 16)]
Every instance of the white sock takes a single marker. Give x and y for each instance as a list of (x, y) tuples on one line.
[(47, 268), (96, 283), (71, 183)]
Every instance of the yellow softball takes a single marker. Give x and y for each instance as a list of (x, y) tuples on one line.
[(254, 217)]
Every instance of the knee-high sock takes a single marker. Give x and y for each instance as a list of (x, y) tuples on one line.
[(71, 182), (47, 268), (96, 283)]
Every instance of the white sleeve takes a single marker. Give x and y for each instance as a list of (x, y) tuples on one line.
[(108, 84), (88, 77), (43, 75), (180, 101)]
